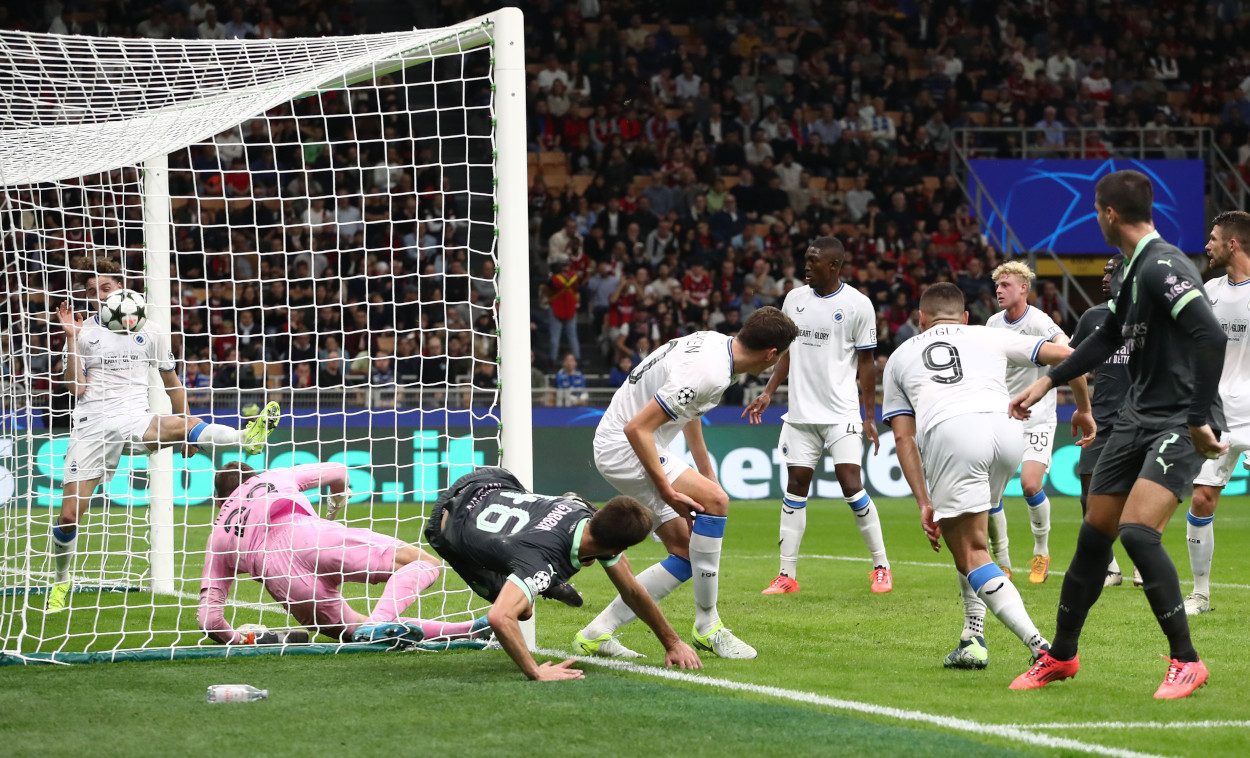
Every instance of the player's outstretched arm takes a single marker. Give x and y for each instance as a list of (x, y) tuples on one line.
[(754, 413), (1207, 365), (640, 431), (636, 597), (505, 616), (913, 471), (71, 323), (177, 393), (1084, 428), (867, 371)]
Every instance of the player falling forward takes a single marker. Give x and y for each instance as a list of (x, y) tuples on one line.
[(108, 373), (837, 336), (510, 545), (1164, 433), (1230, 300), (946, 398), (667, 394), (1012, 282), (268, 530), (1111, 383)]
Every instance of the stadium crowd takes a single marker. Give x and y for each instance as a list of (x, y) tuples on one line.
[(678, 171)]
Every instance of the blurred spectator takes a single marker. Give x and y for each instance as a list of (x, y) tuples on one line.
[(620, 372), (562, 303), (570, 383)]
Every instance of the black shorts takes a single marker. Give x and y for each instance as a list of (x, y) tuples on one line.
[(1162, 456), (481, 580), (1091, 452)]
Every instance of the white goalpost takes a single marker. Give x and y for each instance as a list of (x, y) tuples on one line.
[(335, 224)]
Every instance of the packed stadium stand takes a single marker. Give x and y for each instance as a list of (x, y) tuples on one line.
[(681, 156)]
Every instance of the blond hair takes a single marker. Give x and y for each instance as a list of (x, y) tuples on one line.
[(1016, 269)]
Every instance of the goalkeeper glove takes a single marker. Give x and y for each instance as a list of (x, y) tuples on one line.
[(336, 502)]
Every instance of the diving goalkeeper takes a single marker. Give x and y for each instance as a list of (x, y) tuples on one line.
[(267, 529)]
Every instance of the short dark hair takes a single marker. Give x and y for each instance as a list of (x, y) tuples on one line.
[(89, 267), (1236, 224), (830, 245), (942, 299), (230, 478), (620, 524), (1129, 192), (767, 328)]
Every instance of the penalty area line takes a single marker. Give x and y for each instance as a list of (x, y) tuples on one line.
[(1139, 725), (929, 564), (1015, 733)]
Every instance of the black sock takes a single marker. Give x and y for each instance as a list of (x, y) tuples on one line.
[(1162, 587), (1081, 587)]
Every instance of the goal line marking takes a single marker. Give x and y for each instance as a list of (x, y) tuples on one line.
[(1013, 732)]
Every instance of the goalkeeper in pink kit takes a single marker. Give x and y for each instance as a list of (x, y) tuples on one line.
[(267, 529)]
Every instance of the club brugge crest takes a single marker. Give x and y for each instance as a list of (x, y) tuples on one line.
[(663, 460), (838, 316), (785, 449), (140, 339)]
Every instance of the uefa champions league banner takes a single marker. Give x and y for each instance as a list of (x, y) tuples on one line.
[(415, 464)]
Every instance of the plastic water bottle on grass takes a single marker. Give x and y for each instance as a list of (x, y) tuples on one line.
[(235, 693)]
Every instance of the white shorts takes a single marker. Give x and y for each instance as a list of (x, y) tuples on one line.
[(618, 464), (1217, 472), (805, 444), (1039, 442), (97, 442), (968, 461)]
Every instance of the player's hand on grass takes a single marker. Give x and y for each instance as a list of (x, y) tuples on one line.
[(558, 672), (754, 412), (70, 322), (870, 431), (931, 528), (1206, 442), (1083, 428), (682, 656)]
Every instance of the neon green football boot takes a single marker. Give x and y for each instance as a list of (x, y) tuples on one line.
[(258, 429)]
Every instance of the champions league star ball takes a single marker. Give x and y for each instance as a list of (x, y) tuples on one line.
[(124, 312)]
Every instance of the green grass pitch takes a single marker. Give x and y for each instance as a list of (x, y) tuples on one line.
[(834, 639)]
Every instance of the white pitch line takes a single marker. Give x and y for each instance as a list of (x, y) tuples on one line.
[(1140, 725), (1015, 733), (928, 564)]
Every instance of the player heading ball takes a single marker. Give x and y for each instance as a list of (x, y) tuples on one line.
[(108, 374)]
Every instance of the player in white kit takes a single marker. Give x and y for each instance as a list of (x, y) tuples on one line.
[(1012, 281), (108, 372), (1230, 299), (667, 394), (946, 398), (837, 337)]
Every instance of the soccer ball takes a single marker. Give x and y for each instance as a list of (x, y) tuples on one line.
[(124, 312)]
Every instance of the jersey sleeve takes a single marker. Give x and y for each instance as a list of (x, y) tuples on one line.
[(1042, 325), (1085, 327), (531, 572), (309, 475), (1173, 284), (690, 392), (865, 326), (164, 353), (1021, 349), (215, 583), (894, 401)]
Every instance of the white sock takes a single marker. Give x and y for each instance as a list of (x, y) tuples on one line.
[(998, 535), (215, 435), (793, 524), (869, 523), (659, 580), (63, 543), (1039, 520), (974, 610), (1201, 537), (1114, 566), (705, 544), (1004, 601)]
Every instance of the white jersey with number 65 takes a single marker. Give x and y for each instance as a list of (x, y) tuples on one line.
[(953, 370)]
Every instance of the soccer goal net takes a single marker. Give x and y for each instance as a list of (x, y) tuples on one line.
[(334, 224)]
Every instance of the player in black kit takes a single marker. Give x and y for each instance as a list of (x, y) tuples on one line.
[(1111, 382), (510, 545), (1164, 432)]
